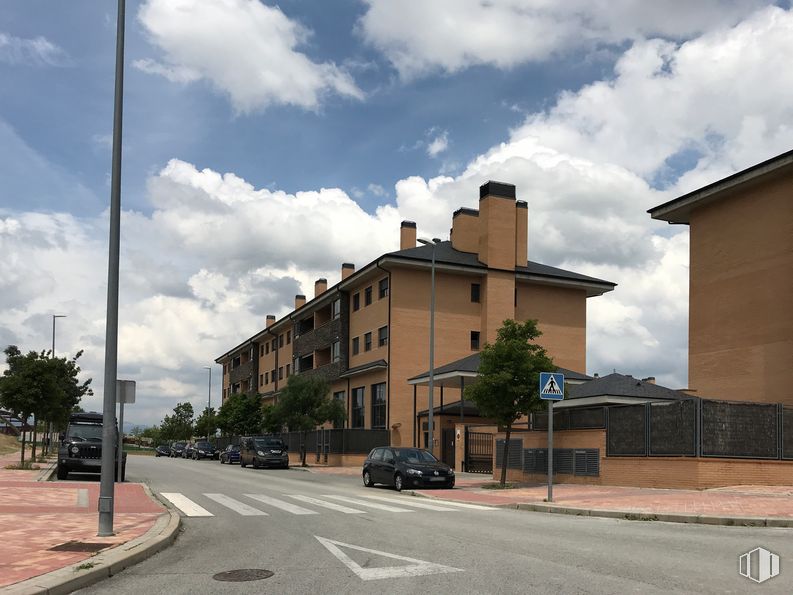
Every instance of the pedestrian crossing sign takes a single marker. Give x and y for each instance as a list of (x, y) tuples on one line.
[(551, 386)]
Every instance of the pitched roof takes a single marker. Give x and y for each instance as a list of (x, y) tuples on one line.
[(620, 385)]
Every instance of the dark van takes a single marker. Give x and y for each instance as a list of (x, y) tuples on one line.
[(263, 451)]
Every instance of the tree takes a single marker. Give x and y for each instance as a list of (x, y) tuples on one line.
[(240, 414), (178, 426), (509, 374), (206, 424), (39, 385), (303, 405)]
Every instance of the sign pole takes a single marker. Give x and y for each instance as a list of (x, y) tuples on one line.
[(550, 451), (120, 439)]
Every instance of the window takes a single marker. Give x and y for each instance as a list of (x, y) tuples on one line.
[(378, 406), (288, 337), (275, 344), (367, 296), (335, 351), (267, 377), (382, 336), (287, 370), (475, 292), (281, 373), (261, 350), (280, 340), (356, 302), (267, 348), (475, 340), (342, 398), (356, 345), (382, 289), (272, 375), (356, 420), (261, 379), (336, 309), (367, 342)]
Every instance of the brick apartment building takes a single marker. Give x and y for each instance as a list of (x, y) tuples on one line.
[(368, 334)]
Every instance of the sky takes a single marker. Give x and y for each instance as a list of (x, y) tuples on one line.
[(265, 144)]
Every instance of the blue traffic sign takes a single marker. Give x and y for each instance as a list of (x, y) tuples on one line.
[(551, 386)]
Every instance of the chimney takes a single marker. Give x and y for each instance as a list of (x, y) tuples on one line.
[(300, 300), (465, 230), (649, 380), (270, 320), (596, 375), (521, 233), (407, 235), (497, 226), (320, 287), (347, 269)]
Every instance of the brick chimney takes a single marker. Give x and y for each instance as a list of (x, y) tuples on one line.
[(347, 269), (270, 320), (465, 230), (320, 287), (407, 235), (300, 300), (521, 233), (497, 226), (649, 380)]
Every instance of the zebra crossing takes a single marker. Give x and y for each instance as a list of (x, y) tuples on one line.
[(211, 504)]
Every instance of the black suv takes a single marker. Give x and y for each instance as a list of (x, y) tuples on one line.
[(80, 450), (263, 451)]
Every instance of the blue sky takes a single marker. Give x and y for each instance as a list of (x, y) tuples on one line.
[(241, 116)]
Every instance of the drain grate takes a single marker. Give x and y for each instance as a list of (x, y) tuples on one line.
[(80, 546), (245, 574)]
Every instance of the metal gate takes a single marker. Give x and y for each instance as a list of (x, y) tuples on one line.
[(447, 452), (323, 445), (478, 452)]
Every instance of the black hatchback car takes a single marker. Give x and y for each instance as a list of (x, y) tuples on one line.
[(177, 448), (263, 451), (163, 450), (203, 450), (406, 468)]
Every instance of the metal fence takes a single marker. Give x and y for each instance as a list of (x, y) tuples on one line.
[(700, 427), (336, 441), (566, 461), (585, 418)]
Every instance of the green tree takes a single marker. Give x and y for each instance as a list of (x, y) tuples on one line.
[(206, 424), (303, 405), (240, 414), (154, 434), (509, 374), (178, 426)]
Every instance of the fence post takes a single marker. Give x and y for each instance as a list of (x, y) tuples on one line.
[(779, 430), (647, 445)]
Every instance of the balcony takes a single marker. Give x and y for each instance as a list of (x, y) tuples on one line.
[(318, 338)]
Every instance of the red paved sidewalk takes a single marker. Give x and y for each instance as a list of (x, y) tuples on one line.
[(37, 516), (736, 501)]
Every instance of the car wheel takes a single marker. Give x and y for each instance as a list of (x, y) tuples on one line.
[(221, 461), (367, 479), (398, 482), (63, 473), (255, 463), (242, 463)]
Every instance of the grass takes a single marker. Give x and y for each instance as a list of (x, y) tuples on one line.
[(139, 453), (86, 566), (8, 444), (498, 486), (28, 466)]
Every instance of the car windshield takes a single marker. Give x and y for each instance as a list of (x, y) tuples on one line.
[(415, 455), (204, 445), (87, 433), (179, 445), (269, 443), (234, 448)]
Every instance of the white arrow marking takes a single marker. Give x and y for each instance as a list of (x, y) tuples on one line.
[(417, 568)]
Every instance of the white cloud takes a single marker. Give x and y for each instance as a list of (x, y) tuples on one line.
[(377, 190), (419, 37), (38, 51), (243, 48), (439, 144)]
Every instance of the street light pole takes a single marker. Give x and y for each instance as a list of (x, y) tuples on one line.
[(54, 316), (209, 396), (109, 430), (430, 417)]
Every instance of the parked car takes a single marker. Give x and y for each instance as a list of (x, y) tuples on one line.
[(263, 451), (406, 467), (231, 454), (163, 450), (187, 453), (177, 448), (203, 450)]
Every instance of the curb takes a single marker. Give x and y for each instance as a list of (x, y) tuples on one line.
[(106, 563), (48, 471), (665, 517)]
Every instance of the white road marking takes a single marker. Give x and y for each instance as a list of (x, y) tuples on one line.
[(417, 568), (466, 505), (82, 498), (408, 501), (187, 506), (369, 504), (282, 504), (331, 505), (236, 505)]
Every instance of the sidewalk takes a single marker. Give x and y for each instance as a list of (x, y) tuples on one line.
[(736, 505), (42, 523)]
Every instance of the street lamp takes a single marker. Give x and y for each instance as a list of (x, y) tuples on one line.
[(430, 420), (54, 316), (209, 396)]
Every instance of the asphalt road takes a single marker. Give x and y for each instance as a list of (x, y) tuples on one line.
[(312, 549)]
